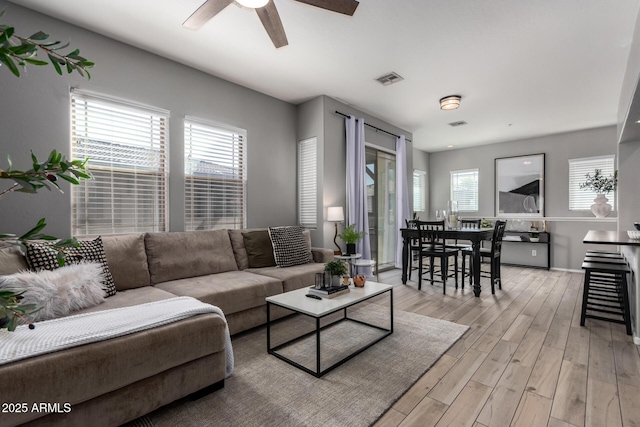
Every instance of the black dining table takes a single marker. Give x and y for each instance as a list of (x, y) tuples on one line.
[(476, 236)]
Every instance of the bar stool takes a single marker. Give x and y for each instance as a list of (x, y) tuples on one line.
[(605, 260), (605, 291), (604, 254)]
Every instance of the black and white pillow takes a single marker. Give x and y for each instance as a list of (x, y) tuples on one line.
[(289, 246), (43, 257)]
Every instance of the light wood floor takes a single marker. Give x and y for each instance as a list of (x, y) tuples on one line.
[(525, 361)]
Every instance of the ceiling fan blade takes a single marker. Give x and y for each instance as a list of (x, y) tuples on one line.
[(271, 21), (204, 13), (347, 7)]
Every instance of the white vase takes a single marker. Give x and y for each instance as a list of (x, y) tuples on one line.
[(601, 208)]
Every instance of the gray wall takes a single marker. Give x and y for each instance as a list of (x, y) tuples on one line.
[(629, 184), (567, 248), (630, 80), (629, 152), (35, 115), (331, 137)]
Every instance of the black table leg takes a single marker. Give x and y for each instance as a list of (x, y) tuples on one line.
[(268, 327), (476, 267), (317, 374), (405, 259)]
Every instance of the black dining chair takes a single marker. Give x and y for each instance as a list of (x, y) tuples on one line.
[(431, 245), (493, 254), (467, 223), (414, 248)]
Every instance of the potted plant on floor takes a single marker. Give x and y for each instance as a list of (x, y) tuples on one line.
[(602, 186), (350, 236), (16, 52), (336, 268)]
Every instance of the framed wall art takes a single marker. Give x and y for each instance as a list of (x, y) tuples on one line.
[(519, 186)]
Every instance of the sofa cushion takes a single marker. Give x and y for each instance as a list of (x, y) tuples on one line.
[(12, 260), (175, 255), (292, 278), (233, 291), (130, 297), (43, 257), (237, 243), (240, 252), (259, 249), (127, 260), (289, 246)]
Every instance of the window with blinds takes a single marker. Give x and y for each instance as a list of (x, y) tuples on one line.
[(308, 183), (215, 176), (464, 189), (127, 149), (419, 190), (582, 199)]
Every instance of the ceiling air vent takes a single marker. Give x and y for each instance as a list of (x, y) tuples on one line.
[(390, 79), (456, 124)]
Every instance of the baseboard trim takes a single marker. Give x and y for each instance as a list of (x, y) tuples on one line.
[(570, 270)]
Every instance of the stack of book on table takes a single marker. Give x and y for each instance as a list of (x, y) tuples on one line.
[(331, 292)]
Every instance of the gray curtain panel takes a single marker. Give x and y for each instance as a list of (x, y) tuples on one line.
[(357, 186), (403, 212)]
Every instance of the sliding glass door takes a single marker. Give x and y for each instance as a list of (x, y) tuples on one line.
[(381, 201)]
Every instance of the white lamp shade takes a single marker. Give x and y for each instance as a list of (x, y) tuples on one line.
[(335, 213)]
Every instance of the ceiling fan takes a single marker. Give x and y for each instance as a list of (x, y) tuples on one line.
[(267, 13)]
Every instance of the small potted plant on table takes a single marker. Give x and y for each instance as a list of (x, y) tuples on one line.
[(336, 268), (350, 236)]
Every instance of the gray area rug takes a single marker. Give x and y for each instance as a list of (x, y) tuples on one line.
[(266, 391)]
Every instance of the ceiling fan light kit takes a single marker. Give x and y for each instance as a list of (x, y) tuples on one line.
[(253, 4), (267, 12), (450, 102)]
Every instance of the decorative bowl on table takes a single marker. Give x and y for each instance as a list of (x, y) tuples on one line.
[(634, 234)]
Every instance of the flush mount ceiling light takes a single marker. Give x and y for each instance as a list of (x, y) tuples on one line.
[(253, 4), (450, 102)]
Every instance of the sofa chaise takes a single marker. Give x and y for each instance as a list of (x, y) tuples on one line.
[(111, 382)]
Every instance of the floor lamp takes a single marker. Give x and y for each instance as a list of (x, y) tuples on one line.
[(336, 214)]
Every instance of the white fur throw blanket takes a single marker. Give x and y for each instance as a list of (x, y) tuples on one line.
[(58, 334)]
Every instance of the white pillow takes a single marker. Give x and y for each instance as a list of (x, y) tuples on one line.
[(59, 292)]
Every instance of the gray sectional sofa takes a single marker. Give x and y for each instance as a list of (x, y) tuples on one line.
[(114, 381)]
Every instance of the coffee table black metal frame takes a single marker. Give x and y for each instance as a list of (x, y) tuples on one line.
[(318, 372)]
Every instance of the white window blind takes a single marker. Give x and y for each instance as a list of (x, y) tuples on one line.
[(464, 189), (419, 190), (582, 199), (127, 150), (308, 183), (215, 176)]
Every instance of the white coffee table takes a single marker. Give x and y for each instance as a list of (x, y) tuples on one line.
[(298, 302)]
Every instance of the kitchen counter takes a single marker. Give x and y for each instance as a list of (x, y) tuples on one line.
[(630, 249), (600, 237)]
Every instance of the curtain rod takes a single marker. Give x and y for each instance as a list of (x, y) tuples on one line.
[(374, 127)]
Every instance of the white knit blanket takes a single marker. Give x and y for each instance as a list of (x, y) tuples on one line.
[(66, 332)]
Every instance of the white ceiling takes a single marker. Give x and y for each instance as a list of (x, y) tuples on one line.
[(523, 68)]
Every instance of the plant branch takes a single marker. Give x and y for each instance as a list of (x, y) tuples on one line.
[(8, 190), (17, 51)]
